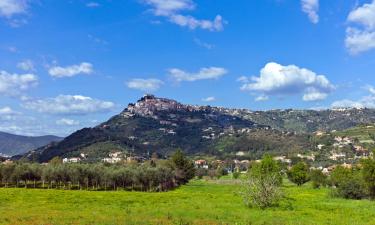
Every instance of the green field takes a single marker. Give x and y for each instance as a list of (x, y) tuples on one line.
[(200, 202)]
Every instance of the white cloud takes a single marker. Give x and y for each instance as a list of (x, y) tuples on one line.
[(69, 105), (70, 71), (360, 36), (276, 79), (150, 85), (15, 84), (6, 111), (202, 74), (364, 102), (311, 8), (171, 9), (209, 99), (67, 122), (193, 23), (26, 65), (92, 4), (203, 44), (9, 8), (261, 98)]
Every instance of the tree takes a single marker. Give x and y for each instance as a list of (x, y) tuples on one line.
[(184, 168), (267, 166), (318, 179), (299, 173), (262, 188), (368, 174), (352, 187), (338, 175)]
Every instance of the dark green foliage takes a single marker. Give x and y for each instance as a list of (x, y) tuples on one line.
[(352, 187), (318, 179), (201, 172), (349, 183), (88, 176), (236, 175), (220, 171), (338, 175), (368, 173), (299, 173), (183, 167)]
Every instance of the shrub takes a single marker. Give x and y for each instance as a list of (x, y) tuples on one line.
[(299, 174), (338, 175), (200, 172), (368, 174), (262, 188), (318, 179), (236, 175), (352, 187)]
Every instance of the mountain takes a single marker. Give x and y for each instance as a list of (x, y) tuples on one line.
[(162, 125), (11, 144)]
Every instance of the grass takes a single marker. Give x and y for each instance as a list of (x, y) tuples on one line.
[(200, 202)]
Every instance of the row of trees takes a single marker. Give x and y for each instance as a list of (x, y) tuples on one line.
[(160, 176), (263, 189), (352, 183)]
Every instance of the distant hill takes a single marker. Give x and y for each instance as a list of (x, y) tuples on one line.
[(11, 144), (162, 125)]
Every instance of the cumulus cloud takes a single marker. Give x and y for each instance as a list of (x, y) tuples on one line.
[(171, 9), (9, 8), (276, 79), (203, 74), (360, 35), (67, 122), (69, 105), (148, 85), (311, 8), (26, 65), (209, 99), (15, 84), (71, 71), (364, 102)]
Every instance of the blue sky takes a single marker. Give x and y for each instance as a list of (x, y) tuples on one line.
[(72, 64)]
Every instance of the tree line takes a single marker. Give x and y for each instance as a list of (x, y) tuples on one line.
[(263, 186), (150, 176)]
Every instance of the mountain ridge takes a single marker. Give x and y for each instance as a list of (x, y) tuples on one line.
[(12, 144), (162, 125)]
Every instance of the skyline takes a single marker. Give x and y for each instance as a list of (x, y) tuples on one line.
[(74, 64)]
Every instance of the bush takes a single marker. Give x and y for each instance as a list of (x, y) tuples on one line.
[(200, 172), (368, 174), (352, 188), (299, 174), (262, 188), (338, 175), (318, 179), (236, 175)]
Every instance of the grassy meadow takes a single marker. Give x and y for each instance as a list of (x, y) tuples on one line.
[(199, 202)]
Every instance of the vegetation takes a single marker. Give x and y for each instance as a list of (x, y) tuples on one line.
[(299, 173), (142, 177), (318, 179), (262, 188), (199, 202)]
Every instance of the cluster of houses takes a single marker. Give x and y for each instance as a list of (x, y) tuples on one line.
[(113, 157)]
